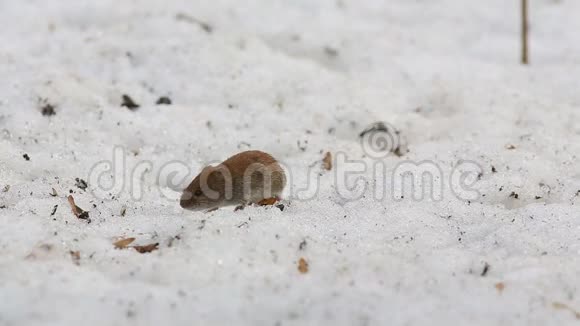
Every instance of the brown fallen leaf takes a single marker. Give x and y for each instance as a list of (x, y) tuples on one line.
[(76, 257), (77, 211), (123, 243), (268, 201), (327, 161), (563, 306), (500, 286), (302, 266), (146, 248)]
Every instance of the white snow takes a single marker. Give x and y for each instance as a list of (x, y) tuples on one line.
[(280, 76)]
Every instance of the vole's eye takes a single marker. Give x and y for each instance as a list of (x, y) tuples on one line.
[(197, 193)]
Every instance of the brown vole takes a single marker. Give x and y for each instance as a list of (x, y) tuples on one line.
[(247, 177)]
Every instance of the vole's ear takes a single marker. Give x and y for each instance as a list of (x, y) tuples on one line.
[(216, 175), (206, 171)]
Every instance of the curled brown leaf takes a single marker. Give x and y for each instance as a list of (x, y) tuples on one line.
[(327, 161), (77, 211), (123, 243), (146, 248)]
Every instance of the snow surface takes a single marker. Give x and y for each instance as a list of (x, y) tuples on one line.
[(295, 79)]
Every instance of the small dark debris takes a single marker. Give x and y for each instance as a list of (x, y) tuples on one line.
[(302, 245), (577, 193), (510, 147), (330, 51), (53, 193), (242, 224), (164, 100), (123, 210), (26, 157), (493, 170), (514, 195), (54, 210), (47, 110), (192, 20), (129, 103), (485, 269), (6, 188), (206, 27), (280, 207), (2, 206), (302, 147), (501, 188), (84, 215), (377, 126), (538, 197), (239, 208), (81, 184), (201, 225), (244, 144)]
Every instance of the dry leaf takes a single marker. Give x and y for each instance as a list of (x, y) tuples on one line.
[(302, 266), (123, 243), (268, 201), (76, 257), (327, 161), (500, 286), (147, 248), (77, 211), (563, 306)]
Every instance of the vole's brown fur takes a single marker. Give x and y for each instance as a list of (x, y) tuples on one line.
[(246, 177)]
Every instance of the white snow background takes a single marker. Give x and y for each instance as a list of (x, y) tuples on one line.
[(295, 79)]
